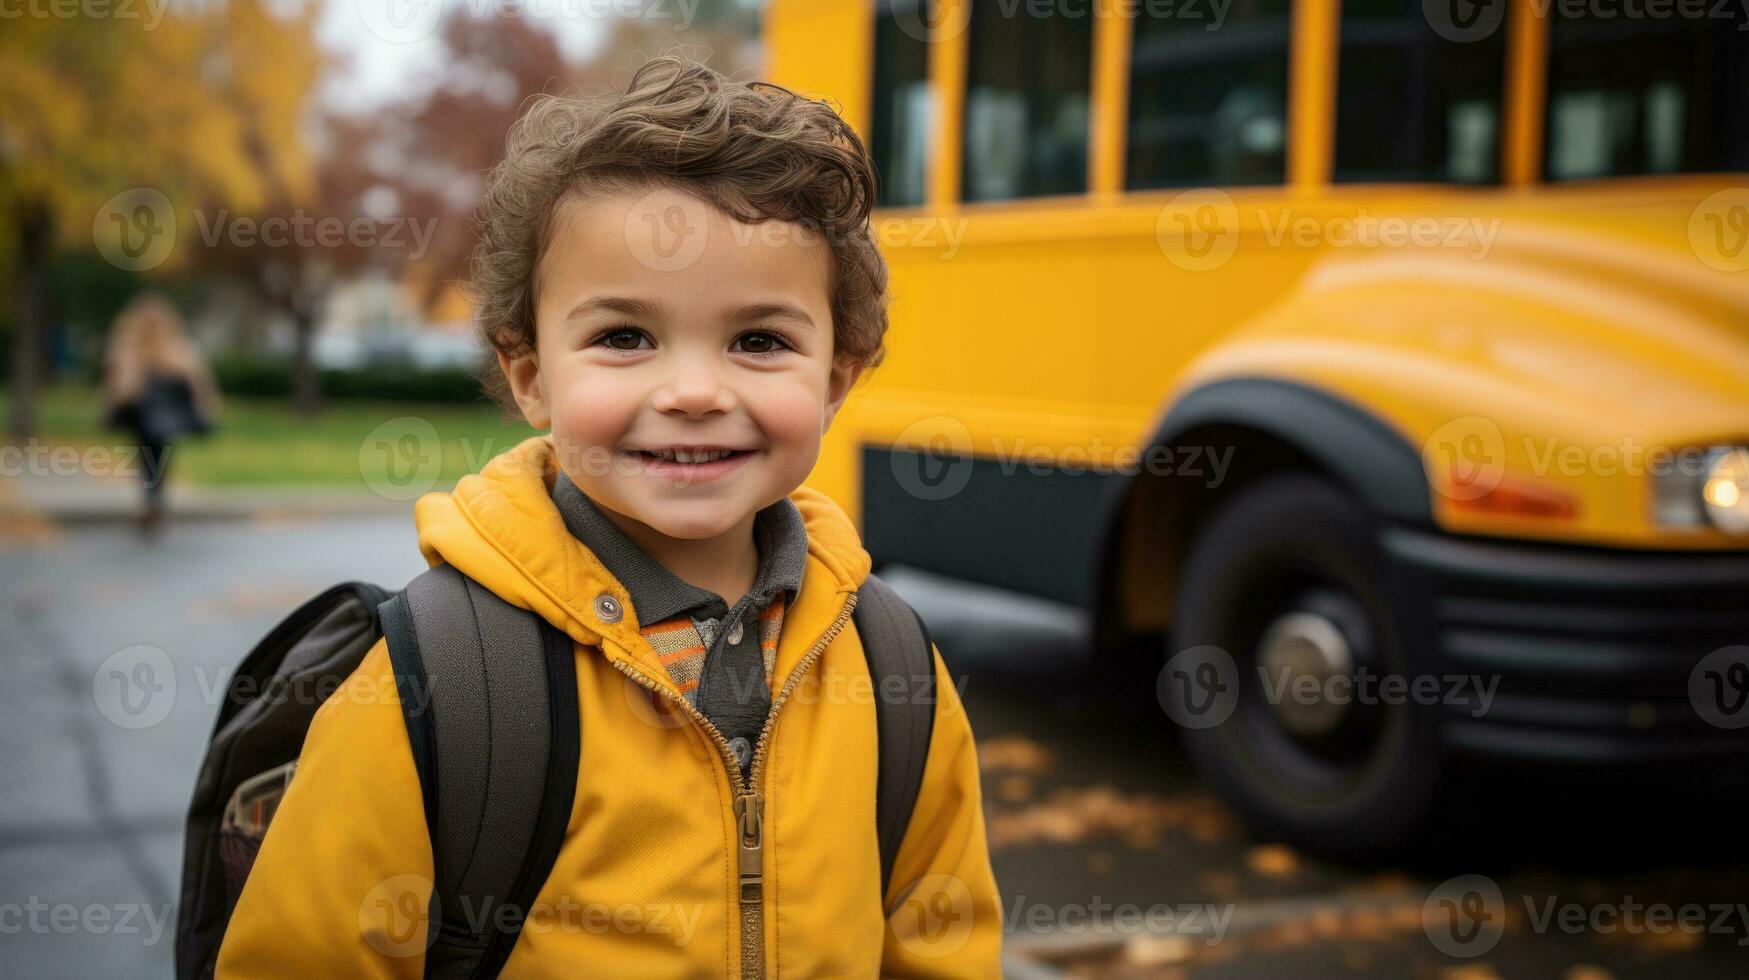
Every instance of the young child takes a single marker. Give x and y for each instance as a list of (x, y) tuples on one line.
[(681, 285)]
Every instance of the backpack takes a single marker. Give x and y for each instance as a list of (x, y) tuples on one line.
[(434, 628)]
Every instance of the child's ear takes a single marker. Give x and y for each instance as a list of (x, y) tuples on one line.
[(838, 385), (523, 373)]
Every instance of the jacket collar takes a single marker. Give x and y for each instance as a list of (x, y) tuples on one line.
[(658, 594), (502, 528)]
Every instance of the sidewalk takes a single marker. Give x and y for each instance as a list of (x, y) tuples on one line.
[(84, 499)]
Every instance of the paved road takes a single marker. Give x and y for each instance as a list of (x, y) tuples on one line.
[(91, 815), (1113, 860)]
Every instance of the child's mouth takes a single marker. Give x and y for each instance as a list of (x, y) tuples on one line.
[(690, 466)]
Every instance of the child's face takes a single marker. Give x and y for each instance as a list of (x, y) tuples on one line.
[(662, 323)]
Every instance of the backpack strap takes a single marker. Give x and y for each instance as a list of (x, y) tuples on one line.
[(901, 662), (498, 778)]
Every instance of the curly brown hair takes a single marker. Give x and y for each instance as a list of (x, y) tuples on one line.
[(754, 150)]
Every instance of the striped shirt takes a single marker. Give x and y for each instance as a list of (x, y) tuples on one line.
[(680, 645), (720, 657)]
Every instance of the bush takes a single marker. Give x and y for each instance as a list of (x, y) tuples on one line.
[(255, 377)]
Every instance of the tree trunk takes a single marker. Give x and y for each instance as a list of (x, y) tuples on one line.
[(34, 225), (306, 387)]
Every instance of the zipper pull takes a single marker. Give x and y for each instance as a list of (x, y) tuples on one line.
[(748, 810)]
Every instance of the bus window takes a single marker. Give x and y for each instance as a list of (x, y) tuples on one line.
[(899, 121), (1026, 112), (1646, 96), (1412, 104), (1208, 105)]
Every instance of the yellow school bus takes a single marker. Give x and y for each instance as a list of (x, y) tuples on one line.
[(1306, 346)]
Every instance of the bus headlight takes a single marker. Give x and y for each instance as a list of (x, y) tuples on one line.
[(1702, 488), (1726, 490)]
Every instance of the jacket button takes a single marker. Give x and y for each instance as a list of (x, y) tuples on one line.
[(607, 608)]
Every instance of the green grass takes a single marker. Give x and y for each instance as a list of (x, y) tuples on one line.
[(263, 442)]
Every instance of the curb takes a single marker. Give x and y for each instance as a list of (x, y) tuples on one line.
[(194, 505), (1017, 965)]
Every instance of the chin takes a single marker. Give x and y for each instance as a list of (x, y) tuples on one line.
[(689, 520)]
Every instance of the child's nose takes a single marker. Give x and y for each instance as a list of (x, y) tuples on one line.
[(693, 390)]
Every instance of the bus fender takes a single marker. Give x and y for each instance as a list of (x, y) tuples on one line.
[(1271, 425)]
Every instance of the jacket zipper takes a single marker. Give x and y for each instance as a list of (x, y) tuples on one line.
[(749, 802)]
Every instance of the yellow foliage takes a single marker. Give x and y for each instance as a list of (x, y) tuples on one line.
[(205, 106)]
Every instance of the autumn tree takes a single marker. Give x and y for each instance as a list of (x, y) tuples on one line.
[(439, 144), (114, 130)]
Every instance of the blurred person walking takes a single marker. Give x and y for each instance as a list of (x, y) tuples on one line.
[(157, 386)]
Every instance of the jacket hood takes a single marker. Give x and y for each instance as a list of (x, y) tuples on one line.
[(501, 528)]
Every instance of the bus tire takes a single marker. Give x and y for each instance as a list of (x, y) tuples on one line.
[(1285, 581)]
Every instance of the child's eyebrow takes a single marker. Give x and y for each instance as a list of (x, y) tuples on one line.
[(646, 309), (623, 305), (763, 311)]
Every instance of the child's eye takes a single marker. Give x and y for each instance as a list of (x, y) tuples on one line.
[(761, 343), (623, 339)]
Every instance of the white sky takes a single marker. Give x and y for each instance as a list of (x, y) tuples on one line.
[(385, 46)]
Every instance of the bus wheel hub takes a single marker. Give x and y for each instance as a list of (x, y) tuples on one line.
[(1298, 657)]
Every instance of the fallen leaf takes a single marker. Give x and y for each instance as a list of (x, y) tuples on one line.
[(1273, 861), (1014, 752), (1157, 950)]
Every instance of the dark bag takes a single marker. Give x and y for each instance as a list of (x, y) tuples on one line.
[(166, 409), (123, 416), (434, 628)]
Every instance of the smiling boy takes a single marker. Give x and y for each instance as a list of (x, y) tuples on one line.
[(680, 285), (644, 364)]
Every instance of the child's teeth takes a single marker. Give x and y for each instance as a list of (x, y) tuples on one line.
[(688, 456)]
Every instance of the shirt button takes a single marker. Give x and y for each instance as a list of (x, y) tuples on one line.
[(735, 633), (607, 608), (741, 747)]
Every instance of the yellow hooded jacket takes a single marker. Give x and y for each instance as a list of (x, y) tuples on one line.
[(647, 880)]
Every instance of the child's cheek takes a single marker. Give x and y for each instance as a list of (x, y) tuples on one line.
[(790, 421), (593, 418)]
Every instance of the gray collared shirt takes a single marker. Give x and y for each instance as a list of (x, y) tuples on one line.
[(732, 690)]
